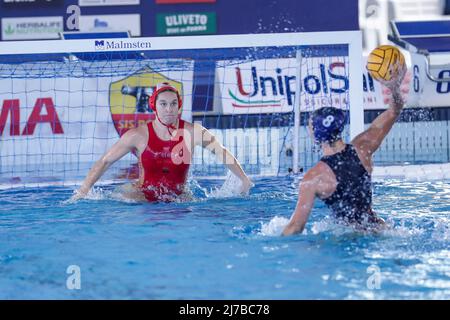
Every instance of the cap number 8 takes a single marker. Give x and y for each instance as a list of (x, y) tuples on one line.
[(328, 121)]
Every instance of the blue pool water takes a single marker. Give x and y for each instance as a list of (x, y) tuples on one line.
[(220, 246)]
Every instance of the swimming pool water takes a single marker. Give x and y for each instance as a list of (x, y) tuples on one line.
[(220, 246)]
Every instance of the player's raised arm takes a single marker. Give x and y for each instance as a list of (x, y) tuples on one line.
[(395, 90)]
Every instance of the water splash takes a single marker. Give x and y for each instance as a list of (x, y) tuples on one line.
[(194, 192), (401, 230), (121, 193), (231, 187), (441, 232), (329, 225), (389, 230), (274, 227)]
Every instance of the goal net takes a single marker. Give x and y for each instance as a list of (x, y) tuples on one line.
[(63, 103)]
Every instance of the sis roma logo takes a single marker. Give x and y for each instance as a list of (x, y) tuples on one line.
[(128, 98)]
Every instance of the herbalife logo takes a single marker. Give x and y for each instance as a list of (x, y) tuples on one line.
[(102, 45), (9, 30), (31, 28)]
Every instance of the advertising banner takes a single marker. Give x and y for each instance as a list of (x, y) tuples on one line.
[(186, 23), (269, 85), (100, 3), (266, 86), (429, 93), (32, 28), (30, 3), (113, 22), (183, 1)]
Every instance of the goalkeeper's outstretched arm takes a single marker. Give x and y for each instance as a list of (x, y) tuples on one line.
[(126, 144)]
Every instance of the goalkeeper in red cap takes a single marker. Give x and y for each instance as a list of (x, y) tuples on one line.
[(164, 148)]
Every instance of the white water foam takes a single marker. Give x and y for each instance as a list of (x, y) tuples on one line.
[(231, 187), (274, 227), (99, 194), (328, 224)]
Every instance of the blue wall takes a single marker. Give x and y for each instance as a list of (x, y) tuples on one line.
[(233, 16)]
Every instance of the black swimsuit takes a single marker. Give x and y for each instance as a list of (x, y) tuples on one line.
[(352, 200)]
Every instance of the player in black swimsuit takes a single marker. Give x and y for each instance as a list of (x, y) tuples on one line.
[(342, 178)]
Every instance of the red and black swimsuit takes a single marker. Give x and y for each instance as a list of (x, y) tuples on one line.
[(164, 166)]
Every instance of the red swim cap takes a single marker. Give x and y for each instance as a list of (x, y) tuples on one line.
[(160, 88)]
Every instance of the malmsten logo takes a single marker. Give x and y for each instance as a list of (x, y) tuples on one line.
[(121, 44)]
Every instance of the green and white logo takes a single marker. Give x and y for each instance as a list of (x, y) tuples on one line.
[(29, 28), (186, 23), (9, 30)]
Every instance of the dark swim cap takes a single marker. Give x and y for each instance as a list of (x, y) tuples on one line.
[(328, 124)]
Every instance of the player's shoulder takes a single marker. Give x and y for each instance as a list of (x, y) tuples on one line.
[(320, 179), (193, 125), (194, 128), (136, 133), (189, 125), (319, 171)]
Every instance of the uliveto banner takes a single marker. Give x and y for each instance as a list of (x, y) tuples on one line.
[(185, 23)]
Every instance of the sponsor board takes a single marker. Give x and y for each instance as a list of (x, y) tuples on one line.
[(186, 23), (99, 3), (429, 93), (266, 86), (32, 28), (183, 1), (30, 3), (113, 22)]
